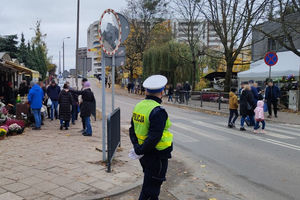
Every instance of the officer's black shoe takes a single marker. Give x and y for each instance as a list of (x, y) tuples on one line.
[(61, 127), (66, 128), (242, 129)]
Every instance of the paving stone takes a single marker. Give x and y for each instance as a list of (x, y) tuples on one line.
[(103, 185), (77, 187), (17, 176), (31, 180), (47, 197), (2, 191), (6, 181), (45, 186), (30, 193), (62, 192), (46, 175), (62, 180), (15, 187), (10, 196)]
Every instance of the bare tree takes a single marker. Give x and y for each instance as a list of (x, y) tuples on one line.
[(232, 21), (285, 21), (190, 23), (143, 15)]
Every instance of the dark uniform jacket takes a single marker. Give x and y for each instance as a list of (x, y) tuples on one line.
[(157, 118), (65, 102)]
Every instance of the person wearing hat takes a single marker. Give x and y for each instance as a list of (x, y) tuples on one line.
[(150, 136)]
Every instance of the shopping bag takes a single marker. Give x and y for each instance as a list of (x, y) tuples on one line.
[(49, 102), (265, 107)]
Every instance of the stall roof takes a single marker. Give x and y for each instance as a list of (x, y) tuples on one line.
[(288, 63)]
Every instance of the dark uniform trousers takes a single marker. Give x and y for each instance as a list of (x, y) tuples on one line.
[(155, 170)]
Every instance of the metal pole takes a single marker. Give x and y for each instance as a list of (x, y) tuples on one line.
[(63, 56), (269, 72), (84, 68), (59, 64), (103, 107), (77, 43), (113, 84)]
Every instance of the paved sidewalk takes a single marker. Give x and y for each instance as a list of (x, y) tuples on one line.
[(54, 164)]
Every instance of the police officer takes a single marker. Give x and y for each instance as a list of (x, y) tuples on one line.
[(150, 136)]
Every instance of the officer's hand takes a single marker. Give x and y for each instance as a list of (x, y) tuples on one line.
[(137, 149)]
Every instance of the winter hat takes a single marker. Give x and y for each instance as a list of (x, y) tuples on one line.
[(87, 84)]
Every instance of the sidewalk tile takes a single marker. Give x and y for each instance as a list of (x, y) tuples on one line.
[(103, 185), (45, 186), (30, 193), (15, 187), (47, 197), (10, 196), (6, 181), (31, 180), (17, 176), (62, 180), (62, 192), (2, 191), (77, 187)]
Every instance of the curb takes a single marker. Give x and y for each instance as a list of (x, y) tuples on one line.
[(110, 193)]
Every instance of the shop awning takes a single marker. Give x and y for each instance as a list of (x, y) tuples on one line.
[(23, 69)]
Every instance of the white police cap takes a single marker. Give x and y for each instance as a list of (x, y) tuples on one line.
[(155, 83)]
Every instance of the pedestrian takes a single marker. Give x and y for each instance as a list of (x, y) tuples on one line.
[(132, 87), (87, 107), (35, 99), (170, 93), (233, 106), (187, 90), (53, 92), (150, 137), (246, 105), (75, 103), (259, 116), (65, 103), (272, 96), (254, 91), (23, 89)]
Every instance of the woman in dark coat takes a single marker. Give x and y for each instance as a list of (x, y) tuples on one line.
[(246, 105), (87, 107), (65, 103)]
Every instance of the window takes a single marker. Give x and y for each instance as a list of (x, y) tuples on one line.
[(271, 44)]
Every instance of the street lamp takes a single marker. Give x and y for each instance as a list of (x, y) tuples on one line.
[(64, 52)]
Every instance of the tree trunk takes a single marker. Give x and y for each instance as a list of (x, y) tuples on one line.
[(194, 74), (227, 83)]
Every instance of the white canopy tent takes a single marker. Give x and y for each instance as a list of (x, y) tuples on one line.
[(288, 64)]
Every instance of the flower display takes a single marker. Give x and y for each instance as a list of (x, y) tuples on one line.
[(15, 121), (14, 127), (3, 132)]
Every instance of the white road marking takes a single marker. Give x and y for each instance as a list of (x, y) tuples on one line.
[(283, 144), (199, 132)]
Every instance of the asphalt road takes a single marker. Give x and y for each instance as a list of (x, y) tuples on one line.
[(261, 166)]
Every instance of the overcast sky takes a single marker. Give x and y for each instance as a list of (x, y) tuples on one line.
[(58, 21)]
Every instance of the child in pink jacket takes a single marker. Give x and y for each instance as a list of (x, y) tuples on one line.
[(259, 116)]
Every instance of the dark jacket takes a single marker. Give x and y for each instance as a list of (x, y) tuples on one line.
[(53, 92), (254, 93), (35, 97), (65, 102), (247, 100), (157, 118), (186, 87), (88, 101), (74, 96), (272, 93)]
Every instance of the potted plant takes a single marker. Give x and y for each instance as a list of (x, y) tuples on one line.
[(15, 129), (3, 133)]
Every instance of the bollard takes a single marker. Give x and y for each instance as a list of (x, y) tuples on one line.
[(219, 100), (201, 99)]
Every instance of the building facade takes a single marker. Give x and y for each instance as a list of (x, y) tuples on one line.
[(93, 46), (261, 44), (202, 29)]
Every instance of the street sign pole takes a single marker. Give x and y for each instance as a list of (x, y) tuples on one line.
[(103, 107), (113, 83), (270, 72)]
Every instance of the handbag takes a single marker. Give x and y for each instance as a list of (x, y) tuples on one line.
[(49, 102)]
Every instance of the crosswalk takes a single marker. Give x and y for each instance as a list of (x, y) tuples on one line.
[(191, 130)]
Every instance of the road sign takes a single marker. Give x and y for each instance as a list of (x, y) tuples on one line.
[(125, 27), (271, 58)]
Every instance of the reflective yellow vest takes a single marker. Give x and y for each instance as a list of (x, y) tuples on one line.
[(141, 124)]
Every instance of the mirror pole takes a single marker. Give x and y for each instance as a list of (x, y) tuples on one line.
[(103, 106), (113, 83)]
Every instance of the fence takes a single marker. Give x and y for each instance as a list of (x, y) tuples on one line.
[(214, 100), (113, 135)]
